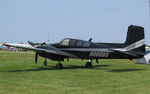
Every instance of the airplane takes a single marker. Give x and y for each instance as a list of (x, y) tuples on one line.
[(132, 48)]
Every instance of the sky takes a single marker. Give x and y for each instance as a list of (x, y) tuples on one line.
[(102, 20)]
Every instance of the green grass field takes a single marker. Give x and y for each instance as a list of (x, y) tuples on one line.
[(20, 75)]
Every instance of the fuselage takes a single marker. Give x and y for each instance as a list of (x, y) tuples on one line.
[(87, 50)]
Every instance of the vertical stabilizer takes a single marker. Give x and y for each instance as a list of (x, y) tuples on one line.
[(135, 40)]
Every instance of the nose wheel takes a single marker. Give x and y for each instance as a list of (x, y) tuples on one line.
[(59, 65)]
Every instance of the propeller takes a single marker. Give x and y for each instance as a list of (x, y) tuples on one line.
[(36, 57)]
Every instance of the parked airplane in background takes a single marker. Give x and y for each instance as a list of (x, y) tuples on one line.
[(134, 47)]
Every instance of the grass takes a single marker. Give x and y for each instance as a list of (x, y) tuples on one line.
[(20, 75)]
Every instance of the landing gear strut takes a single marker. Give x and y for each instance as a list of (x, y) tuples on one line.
[(45, 62), (88, 64), (59, 65)]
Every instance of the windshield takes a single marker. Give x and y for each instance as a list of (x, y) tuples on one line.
[(65, 42)]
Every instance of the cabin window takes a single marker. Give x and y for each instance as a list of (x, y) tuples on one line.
[(86, 44), (79, 43), (65, 42), (72, 42)]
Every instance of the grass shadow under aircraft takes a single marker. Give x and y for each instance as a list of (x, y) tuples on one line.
[(71, 67)]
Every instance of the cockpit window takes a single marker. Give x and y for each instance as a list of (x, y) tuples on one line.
[(65, 42)]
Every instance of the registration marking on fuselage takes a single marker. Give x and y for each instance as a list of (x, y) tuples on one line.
[(99, 54)]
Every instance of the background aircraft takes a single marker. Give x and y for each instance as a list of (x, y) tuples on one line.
[(134, 47)]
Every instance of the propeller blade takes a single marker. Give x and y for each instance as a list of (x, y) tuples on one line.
[(36, 57)]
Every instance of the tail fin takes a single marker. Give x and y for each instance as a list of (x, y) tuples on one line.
[(135, 40)]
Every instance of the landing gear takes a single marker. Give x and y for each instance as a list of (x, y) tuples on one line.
[(59, 65), (89, 64), (45, 62), (97, 61)]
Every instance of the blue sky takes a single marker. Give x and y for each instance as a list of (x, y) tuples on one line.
[(103, 20)]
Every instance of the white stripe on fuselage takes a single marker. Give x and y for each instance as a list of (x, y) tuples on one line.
[(132, 46), (135, 45), (85, 49)]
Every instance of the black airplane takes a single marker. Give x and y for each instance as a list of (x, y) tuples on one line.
[(132, 48)]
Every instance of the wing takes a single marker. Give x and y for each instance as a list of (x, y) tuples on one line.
[(52, 50)]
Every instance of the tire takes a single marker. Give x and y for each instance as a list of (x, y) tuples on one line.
[(88, 65), (59, 66), (45, 64)]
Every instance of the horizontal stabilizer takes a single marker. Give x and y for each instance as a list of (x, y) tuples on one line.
[(131, 53)]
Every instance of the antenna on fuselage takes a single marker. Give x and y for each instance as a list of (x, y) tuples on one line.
[(90, 39)]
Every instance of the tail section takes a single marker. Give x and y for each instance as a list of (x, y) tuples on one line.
[(135, 40)]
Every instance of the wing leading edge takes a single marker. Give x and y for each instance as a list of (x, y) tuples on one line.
[(48, 51)]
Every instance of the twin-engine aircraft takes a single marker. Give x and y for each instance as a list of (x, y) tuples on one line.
[(133, 48)]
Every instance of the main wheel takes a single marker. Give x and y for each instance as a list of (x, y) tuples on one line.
[(59, 66), (44, 63), (88, 65)]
